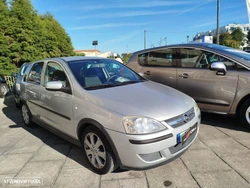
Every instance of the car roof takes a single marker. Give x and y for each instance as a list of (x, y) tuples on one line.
[(76, 58), (191, 44)]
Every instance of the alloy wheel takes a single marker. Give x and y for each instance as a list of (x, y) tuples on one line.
[(95, 150)]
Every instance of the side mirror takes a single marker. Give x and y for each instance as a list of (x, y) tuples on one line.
[(54, 86), (219, 67), (57, 86)]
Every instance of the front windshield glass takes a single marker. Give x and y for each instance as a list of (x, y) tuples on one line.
[(102, 73), (237, 53)]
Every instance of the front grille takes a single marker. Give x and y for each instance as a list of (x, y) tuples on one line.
[(181, 119)]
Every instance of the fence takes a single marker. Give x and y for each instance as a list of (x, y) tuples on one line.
[(10, 81)]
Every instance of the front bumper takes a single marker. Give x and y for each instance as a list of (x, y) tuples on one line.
[(140, 152)]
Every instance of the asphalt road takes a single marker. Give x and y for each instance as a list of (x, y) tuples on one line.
[(220, 157)]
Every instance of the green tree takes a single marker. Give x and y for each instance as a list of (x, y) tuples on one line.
[(248, 36), (56, 42), (23, 30), (125, 57), (225, 37), (238, 35), (5, 64)]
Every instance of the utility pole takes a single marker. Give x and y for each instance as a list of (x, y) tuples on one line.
[(187, 38), (145, 39), (218, 22)]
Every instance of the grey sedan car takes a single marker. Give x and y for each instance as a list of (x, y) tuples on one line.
[(118, 117), (217, 77)]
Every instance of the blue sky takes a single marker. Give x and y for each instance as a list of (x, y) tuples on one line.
[(119, 25)]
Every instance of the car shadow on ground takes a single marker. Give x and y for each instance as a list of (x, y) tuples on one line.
[(223, 121), (73, 152)]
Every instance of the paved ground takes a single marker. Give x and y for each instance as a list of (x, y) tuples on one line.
[(220, 157)]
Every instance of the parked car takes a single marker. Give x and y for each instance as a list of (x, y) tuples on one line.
[(119, 118), (4, 89), (217, 77), (16, 86)]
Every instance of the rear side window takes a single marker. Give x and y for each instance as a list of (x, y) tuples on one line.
[(143, 59), (35, 73), (158, 58)]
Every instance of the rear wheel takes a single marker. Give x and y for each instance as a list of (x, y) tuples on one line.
[(97, 151), (3, 90), (245, 113), (26, 115)]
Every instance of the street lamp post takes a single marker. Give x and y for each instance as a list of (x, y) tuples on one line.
[(218, 22)]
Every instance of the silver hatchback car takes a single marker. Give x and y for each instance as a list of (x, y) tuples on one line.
[(118, 117)]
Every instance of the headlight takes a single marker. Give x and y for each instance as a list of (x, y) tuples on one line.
[(142, 125)]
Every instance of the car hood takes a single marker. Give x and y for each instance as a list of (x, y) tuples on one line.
[(148, 99)]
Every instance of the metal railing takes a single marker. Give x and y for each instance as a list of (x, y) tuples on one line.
[(10, 81)]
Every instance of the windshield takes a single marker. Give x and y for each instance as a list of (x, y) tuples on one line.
[(102, 73), (237, 53)]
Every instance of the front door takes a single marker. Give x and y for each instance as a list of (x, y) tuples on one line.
[(58, 104), (212, 91)]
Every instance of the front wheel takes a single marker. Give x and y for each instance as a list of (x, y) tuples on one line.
[(97, 151), (245, 113)]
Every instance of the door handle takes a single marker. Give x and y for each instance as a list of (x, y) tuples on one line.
[(184, 75), (147, 73)]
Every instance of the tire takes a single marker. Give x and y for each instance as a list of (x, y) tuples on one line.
[(97, 151), (26, 115), (3, 90), (245, 113)]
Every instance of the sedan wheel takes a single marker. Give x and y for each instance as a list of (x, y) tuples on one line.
[(97, 151)]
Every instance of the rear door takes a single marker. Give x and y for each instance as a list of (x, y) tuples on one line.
[(159, 65), (212, 91), (33, 90)]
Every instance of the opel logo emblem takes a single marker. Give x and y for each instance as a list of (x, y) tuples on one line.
[(185, 118)]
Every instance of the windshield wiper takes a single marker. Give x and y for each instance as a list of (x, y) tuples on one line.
[(129, 82), (112, 85), (99, 86)]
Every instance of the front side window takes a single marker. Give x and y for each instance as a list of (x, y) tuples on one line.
[(35, 73), (189, 57), (54, 72), (192, 58), (102, 73)]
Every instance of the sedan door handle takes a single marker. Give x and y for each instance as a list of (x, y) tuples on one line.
[(184, 75), (147, 73)]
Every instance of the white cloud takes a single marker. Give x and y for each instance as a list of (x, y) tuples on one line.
[(195, 7), (122, 38), (128, 14), (107, 25), (131, 4)]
